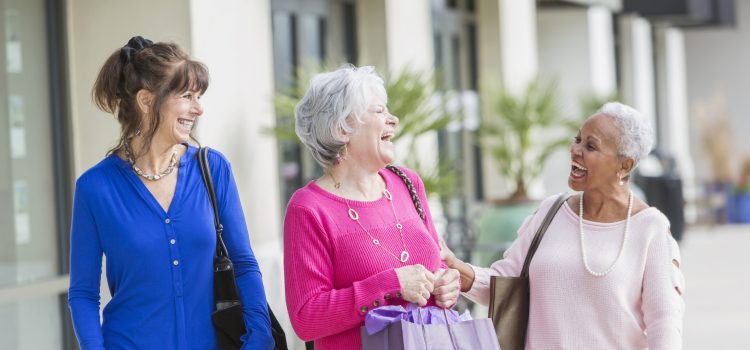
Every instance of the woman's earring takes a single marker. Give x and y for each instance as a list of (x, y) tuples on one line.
[(622, 182), (341, 157)]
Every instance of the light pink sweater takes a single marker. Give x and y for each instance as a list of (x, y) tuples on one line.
[(635, 306), (333, 272)]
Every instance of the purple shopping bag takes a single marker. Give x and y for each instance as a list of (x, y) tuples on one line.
[(422, 329)]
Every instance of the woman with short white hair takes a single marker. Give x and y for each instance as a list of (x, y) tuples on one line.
[(361, 235), (606, 273)]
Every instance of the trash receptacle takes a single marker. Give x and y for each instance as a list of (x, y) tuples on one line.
[(665, 193)]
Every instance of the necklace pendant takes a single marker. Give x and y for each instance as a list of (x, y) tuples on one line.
[(404, 256), (353, 214), (388, 194)]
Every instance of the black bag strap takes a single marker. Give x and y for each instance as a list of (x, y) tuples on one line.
[(540, 232), (410, 186), (221, 248)]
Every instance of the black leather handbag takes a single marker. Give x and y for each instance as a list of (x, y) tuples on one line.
[(229, 323)]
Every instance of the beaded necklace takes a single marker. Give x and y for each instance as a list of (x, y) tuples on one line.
[(622, 246)]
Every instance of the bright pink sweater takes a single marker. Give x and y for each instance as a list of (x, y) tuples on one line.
[(635, 306), (333, 272)]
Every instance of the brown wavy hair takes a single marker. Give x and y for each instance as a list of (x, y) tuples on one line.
[(161, 68)]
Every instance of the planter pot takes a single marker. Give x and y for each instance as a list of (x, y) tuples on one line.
[(738, 208), (498, 226)]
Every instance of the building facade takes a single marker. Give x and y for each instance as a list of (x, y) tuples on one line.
[(51, 132)]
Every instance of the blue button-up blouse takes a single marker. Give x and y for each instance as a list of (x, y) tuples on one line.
[(159, 264)]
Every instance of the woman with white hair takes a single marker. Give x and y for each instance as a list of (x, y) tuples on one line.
[(606, 273), (360, 236)]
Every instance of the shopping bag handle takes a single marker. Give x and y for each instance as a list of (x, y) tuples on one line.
[(447, 325)]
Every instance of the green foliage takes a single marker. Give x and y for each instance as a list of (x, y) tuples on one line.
[(518, 134), (410, 98)]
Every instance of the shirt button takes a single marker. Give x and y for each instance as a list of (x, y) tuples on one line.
[(387, 296), (172, 241), (376, 303), (167, 221), (398, 295), (363, 309), (175, 262)]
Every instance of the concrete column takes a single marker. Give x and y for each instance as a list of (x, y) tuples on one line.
[(673, 127), (576, 48), (507, 58), (394, 35), (234, 40), (637, 65)]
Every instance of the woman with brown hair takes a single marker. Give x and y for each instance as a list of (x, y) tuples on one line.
[(146, 208)]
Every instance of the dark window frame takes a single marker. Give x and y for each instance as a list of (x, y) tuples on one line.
[(59, 97)]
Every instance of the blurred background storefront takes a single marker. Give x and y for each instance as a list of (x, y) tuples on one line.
[(683, 63)]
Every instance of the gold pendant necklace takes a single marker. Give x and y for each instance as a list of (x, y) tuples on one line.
[(354, 215)]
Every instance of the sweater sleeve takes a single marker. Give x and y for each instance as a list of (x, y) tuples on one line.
[(246, 269), (85, 273), (512, 262), (663, 306), (316, 308)]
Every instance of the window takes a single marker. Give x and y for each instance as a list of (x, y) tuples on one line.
[(34, 183), (303, 32)]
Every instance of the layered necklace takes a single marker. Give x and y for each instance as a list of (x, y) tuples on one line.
[(152, 177), (354, 215), (622, 246)]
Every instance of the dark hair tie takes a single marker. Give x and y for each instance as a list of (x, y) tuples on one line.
[(135, 44)]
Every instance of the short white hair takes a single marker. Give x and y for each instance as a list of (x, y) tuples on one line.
[(332, 100), (636, 134)]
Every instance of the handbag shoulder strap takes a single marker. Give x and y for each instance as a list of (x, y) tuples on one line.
[(540, 232), (221, 249), (410, 186)]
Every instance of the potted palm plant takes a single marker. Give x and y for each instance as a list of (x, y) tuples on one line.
[(522, 132)]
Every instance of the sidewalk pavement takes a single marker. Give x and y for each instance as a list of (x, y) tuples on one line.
[(716, 265)]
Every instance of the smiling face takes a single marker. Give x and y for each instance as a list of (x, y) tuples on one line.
[(371, 143), (594, 156), (179, 113)]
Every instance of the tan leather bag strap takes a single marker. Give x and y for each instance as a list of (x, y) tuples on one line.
[(540, 232)]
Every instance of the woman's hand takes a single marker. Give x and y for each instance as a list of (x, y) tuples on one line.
[(416, 283), (447, 255), (465, 271), (447, 287)]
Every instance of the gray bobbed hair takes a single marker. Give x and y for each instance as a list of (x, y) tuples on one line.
[(332, 102), (636, 134)]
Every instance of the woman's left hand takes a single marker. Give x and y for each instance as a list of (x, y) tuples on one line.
[(447, 287)]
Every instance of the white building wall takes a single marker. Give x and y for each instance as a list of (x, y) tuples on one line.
[(718, 72), (637, 85), (576, 49), (234, 41), (673, 130)]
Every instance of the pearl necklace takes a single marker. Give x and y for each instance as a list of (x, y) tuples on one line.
[(354, 215), (154, 177), (622, 246)]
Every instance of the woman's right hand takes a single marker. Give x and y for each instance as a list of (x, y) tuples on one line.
[(450, 259), (416, 282), (447, 255)]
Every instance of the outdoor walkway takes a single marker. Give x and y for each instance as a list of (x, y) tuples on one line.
[(716, 264)]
